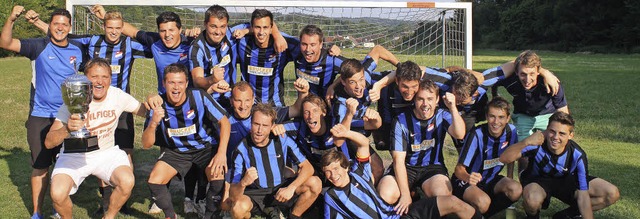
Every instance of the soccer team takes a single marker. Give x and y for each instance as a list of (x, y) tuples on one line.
[(250, 154)]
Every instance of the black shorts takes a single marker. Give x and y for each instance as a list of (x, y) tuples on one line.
[(423, 208), (262, 198), (460, 186), (182, 161), (416, 175), (382, 136), (37, 129), (563, 189), (125, 132)]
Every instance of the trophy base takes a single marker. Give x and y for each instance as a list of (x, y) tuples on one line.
[(81, 145)]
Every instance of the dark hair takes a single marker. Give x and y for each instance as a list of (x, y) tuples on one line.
[(317, 100), (408, 71), (97, 62), (261, 13), (311, 30), (429, 85), (499, 102), (216, 11), (176, 68), (349, 68), (167, 17), (464, 83), (265, 109), (563, 118), (527, 59), (60, 11), (333, 156)]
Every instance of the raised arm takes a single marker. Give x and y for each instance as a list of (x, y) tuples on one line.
[(34, 18), (551, 82), (514, 152), (339, 131), (6, 36), (302, 86), (149, 134), (379, 52), (127, 29), (457, 128)]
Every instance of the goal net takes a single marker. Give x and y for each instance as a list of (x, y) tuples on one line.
[(430, 34)]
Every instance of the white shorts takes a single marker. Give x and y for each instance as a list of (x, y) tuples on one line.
[(99, 163)]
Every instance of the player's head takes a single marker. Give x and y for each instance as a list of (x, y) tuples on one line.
[(113, 24), (60, 25), (261, 23), (311, 38), (98, 71), (528, 68), (263, 117), (169, 28), (314, 110), (216, 20), (175, 82), (498, 115), (426, 99), (464, 85), (242, 99), (352, 78), (408, 76), (559, 131), (335, 167)]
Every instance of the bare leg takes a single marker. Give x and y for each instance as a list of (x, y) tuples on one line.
[(388, 189), (453, 205), (123, 180), (61, 185), (602, 194), (477, 198), (437, 185), (39, 184), (241, 208), (308, 192), (533, 196)]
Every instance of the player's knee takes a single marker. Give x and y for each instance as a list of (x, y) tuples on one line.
[(438, 185), (613, 195), (314, 185), (126, 182), (481, 202), (59, 193), (514, 191), (388, 189), (241, 206)]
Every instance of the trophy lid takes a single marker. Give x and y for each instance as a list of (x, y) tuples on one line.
[(76, 79)]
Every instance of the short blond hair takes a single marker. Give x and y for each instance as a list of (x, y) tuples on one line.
[(113, 15)]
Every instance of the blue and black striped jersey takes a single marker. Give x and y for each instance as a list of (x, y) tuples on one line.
[(571, 163), (313, 146), (264, 68), (423, 140), (120, 56), (164, 56), (319, 74), (192, 125), (391, 103), (481, 151), (443, 79), (269, 161), (240, 127), (358, 199)]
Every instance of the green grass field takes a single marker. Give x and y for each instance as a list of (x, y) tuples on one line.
[(599, 88)]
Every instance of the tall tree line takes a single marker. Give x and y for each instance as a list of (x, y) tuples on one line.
[(562, 25)]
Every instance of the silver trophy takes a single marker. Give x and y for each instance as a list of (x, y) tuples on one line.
[(77, 94)]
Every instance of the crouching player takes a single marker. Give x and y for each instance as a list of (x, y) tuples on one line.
[(353, 194), (558, 167), (476, 179)]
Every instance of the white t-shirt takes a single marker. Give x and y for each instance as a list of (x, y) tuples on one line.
[(102, 118)]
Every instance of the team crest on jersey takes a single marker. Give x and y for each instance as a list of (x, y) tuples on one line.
[(118, 54), (183, 56), (223, 46), (431, 126), (191, 114), (318, 68), (504, 144), (272, 57), (72, 60)]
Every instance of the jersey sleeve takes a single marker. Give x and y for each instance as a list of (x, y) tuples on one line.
[(471, 148), (147, 38), (237, 169), (140, 51), (530, 151), (293, 47), (399, 136), (440, 78), (197, 57), (130, 104), (63, 114), (559, 99), (215, 111), (492, 76), (282, 114), (239, 27), (31, 48), (447, 120), (294, 152)]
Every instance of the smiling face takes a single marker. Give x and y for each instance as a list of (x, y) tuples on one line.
[(497, 120), (557, 136), (59, 29), (100, 77), (425, 103), (176, 85), (310, 46), (113, 30), (261, 28), (242, 101), (528, 77), (336, 174), (261, 125), (216, 29), (169, 34), (408, 88), (354, 86), (314, 118)]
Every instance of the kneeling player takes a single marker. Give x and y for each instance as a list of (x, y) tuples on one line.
[(258, 175), (476, 178), (558, 168), (353, 194)]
